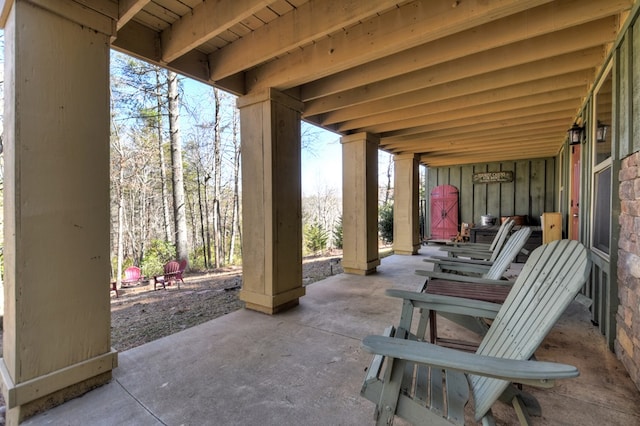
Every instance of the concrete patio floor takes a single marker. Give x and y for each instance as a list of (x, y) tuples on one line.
[(305, 366)]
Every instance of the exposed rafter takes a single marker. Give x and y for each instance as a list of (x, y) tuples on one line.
[(454, 81)]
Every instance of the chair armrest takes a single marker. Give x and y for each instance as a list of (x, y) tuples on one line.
[(453, 249), (434, 259), (462, 278), (454, 305), (459, 265), (483, 246), (535, 373)]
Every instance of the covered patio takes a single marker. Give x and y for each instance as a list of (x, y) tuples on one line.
[(306, 366), (458, 86)]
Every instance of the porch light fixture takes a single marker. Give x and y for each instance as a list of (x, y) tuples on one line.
[(601, 132), (575, 134)]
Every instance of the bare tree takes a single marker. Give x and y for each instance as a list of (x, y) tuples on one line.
[(179, 208), (235, 222), (163, 173)]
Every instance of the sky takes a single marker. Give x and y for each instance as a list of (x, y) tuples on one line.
[(322, 166)]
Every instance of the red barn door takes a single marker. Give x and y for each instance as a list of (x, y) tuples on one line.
[(444, 212)]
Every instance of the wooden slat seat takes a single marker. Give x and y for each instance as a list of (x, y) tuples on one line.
[(486, 292)]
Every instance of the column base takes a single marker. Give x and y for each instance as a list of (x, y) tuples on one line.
[(272, 304), (16, 415), (355, 271), (405, 251)]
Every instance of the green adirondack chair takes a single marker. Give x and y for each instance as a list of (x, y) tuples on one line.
[(489, 286), (427, 384), (488, 269), (479, 250)]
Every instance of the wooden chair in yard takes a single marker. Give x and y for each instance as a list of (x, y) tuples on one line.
[(132, 276), (428, 384), (172, 274), (480, 250)]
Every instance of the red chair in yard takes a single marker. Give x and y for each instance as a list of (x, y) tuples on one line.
[(132, 276), (172, 274)]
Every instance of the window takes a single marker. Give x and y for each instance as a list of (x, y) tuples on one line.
[(601, 144), (602, 210)]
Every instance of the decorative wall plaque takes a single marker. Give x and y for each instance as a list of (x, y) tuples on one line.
[(492, 177)]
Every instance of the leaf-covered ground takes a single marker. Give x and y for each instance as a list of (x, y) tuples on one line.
[(141, 315)]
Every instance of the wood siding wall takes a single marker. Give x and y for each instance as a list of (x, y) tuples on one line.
[(533, 191), (622, 320)]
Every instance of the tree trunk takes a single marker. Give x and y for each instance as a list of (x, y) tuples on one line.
[(236, 188), (387, 193), (217, 173), (163, 173), (202, 234), (179, 210)]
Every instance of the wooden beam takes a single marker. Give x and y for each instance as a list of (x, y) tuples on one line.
[(127, 9), (5, 8), (138, 40), (297, 28), (528, 24), (407, 26), (529, 105), (477, 131), (515, 146), (493, 100), (206, 21), (486, 157), (421, 145), (97, 17), (566, 109), (563, 42), (485, 86)]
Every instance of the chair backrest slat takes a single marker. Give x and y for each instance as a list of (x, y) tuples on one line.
[(508, 253), (501, 236), (500, 232), (551, 278)]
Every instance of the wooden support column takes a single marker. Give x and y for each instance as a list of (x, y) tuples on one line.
[(57, 334), (406, 231), (360, 203), (271, 201)]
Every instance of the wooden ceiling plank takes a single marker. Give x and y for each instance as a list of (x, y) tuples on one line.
[(521, 106), (541, 144), (551, 131), (206, 21), (522, 26), (402, 28), (535, 77), (299, 27), (560, 43), (484, 130), (503, 148), (488, 157), (552, 112), (511, 95)]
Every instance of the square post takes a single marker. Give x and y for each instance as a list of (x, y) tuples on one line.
[(271, 201), (57, 334), (406, 230), (360, 203)]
